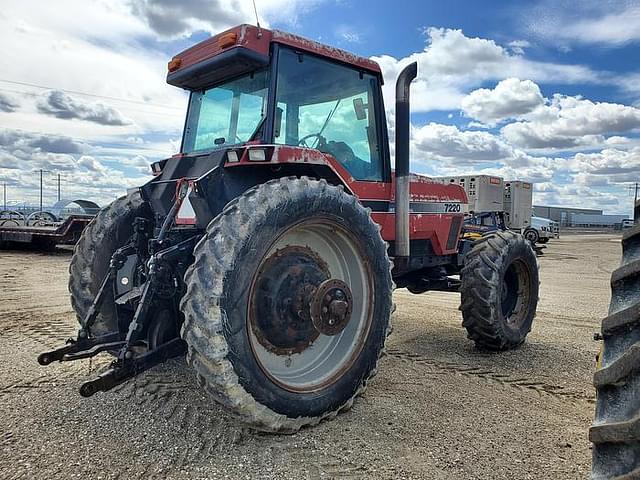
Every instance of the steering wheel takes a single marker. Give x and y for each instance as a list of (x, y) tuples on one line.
[(321, 140)]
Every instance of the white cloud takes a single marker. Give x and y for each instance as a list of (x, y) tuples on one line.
[(23, 154), (348, 34), (518, 46), (611, 23), (8, 103), (578, 195), (436, 140), (451, 63), (96, 50), (606, 167), (61, 105), (571, 123), (446, 150), (175, 18), (511, 98)]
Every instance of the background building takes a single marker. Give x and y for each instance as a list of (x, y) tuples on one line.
[(562, 215)]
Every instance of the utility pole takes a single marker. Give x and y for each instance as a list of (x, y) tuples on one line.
[(636, 208), (4, 184), (58, 187), (41, 189)]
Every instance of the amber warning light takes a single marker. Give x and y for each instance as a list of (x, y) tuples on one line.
[(228, 39), (174, 64)]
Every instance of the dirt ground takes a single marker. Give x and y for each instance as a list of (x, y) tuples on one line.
[(438, 409)]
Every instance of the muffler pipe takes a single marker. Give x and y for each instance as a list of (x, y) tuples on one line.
[(402, 158)]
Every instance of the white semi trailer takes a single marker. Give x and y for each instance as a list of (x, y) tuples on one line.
[(518, 204), (485, 192), (492, 200)]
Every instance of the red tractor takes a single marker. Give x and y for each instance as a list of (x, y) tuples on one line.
[(268, 248)]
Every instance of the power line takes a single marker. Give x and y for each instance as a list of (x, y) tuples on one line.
[(145, 112), (75, 92), (129, 109), (92, 142)]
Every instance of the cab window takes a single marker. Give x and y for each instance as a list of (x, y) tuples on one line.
[(330, 107)]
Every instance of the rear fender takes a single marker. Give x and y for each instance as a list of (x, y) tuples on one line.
[(278, 157)]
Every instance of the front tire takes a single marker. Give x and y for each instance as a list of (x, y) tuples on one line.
[(532, 235), (616, 429), (109, 230), (257, 272), (499, 291)]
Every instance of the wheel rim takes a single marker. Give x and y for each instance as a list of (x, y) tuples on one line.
[(516, 293), (531, 236), (311, 257)]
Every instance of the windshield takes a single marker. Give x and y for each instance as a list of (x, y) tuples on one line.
[(227, 114), (331, 107)]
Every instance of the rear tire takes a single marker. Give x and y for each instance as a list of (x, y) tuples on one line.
[(499, 291), (616, 429), (109, 230), (267, 374)]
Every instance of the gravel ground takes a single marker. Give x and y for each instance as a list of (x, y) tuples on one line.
[(438, 408)]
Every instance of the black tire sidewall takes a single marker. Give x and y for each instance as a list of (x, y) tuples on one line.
[(299, 207), (532, 232), (481, 290), (109, 230), (523, 252)]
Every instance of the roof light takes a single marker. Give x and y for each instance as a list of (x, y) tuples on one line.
[(257, 155), (227, 39), (174, 64)]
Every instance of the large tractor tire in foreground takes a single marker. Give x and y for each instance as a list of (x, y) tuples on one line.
[(616, 429), (109, 230), (499, 291), (288, 304)]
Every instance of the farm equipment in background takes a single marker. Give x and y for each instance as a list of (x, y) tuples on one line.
[(498, 205), (269, 247), (42, 233), (60, 224)]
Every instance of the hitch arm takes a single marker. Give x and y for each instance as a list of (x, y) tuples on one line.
[(92, 352), (123, 370), (74, 347)]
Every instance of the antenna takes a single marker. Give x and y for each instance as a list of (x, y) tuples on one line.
[(255, 10)]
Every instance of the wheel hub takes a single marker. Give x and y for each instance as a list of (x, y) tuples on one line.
[(285, 287), (331, 307)]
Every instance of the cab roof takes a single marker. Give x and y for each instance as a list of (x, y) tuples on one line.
[(248, 46)]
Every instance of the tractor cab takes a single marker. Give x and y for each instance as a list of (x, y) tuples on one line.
[(289, 96)]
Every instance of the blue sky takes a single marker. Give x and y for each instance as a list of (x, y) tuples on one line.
[(546, 91)]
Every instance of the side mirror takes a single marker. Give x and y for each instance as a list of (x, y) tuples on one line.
[(359, 108)]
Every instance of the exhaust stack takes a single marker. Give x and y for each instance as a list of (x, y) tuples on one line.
[(402, 159)]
